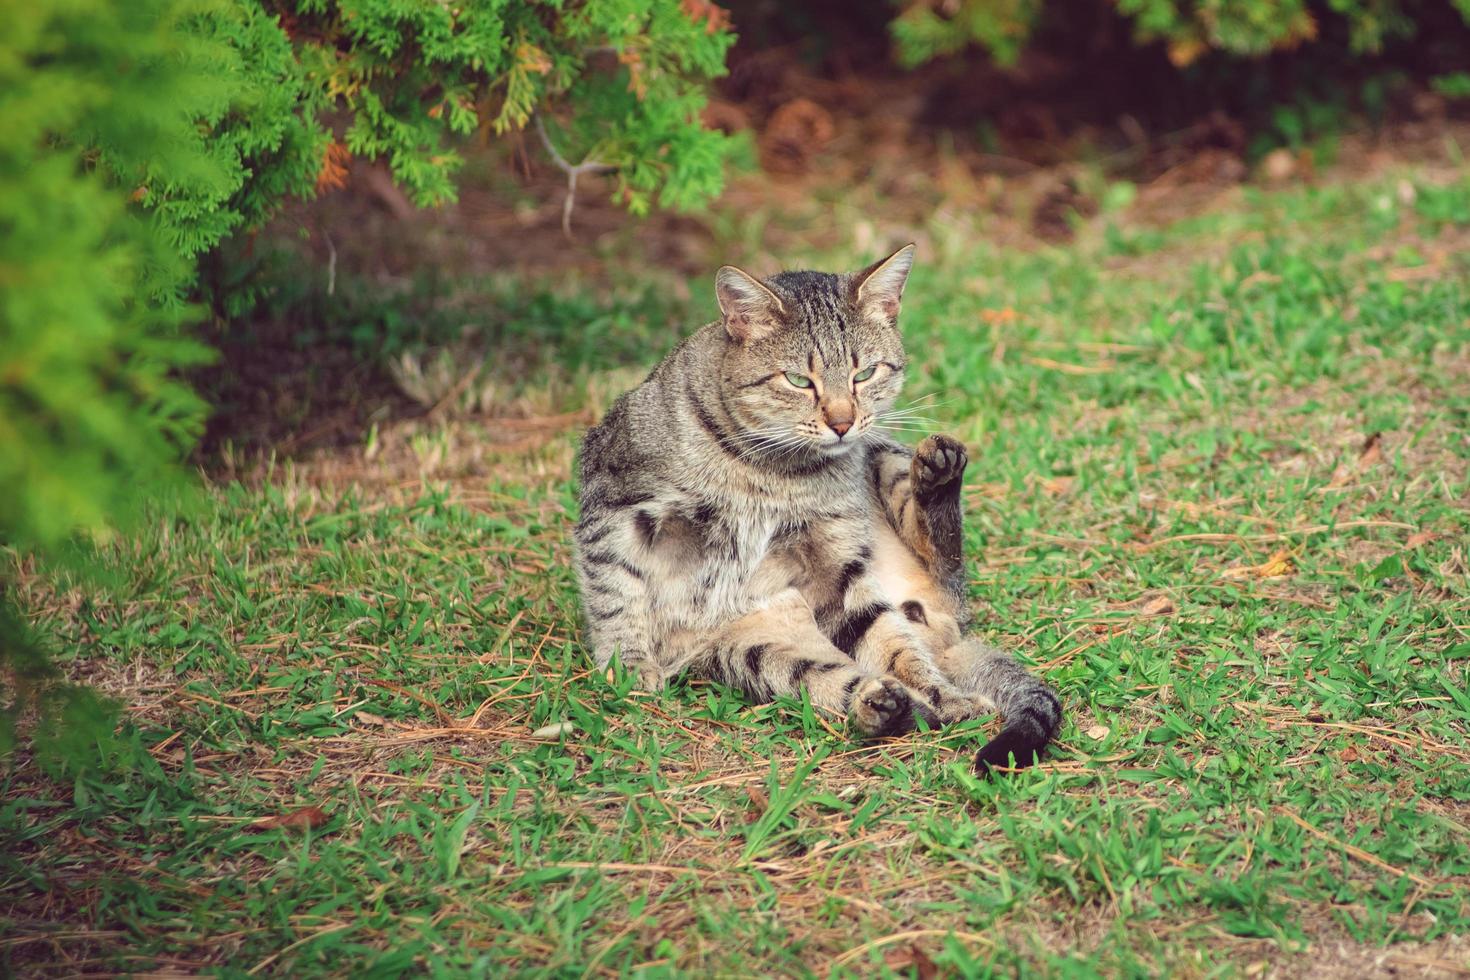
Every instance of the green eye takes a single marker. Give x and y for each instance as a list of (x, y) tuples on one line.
[(865, 373), (799, 380)]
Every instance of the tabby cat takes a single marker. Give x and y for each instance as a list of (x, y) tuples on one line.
[(743, 516)]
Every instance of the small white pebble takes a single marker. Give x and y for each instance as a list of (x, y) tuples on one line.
[(552, 731)]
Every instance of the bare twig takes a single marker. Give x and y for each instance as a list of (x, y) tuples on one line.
[(1356, 852), (573, 171), (331, 265)]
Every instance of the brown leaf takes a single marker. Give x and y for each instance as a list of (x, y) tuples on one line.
[(1184, 51), (1159, 605), (532, 59), (759, 803), (1279, 565), (1146, 605), (633, 61), (727, 117), (1372, 451), (1370, 454), (794, 133), (305, 818), (1055, 486), (333, 171), (900, 958), (713, 17), (1419, 539)]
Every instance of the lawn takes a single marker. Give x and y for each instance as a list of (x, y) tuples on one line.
[(1219, 495)]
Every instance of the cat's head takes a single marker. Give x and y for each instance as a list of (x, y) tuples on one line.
[(813, 359)]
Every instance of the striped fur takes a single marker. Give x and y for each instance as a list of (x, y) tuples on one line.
[(744, 517)]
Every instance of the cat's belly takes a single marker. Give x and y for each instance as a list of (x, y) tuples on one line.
[(728, 570)]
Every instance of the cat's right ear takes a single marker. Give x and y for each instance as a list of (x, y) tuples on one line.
[(750, 310)]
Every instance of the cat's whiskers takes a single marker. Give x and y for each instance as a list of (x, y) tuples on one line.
[(774, 443), (904, 413)]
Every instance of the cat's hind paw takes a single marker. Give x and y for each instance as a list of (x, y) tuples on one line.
[(953, 705), (882, 707)]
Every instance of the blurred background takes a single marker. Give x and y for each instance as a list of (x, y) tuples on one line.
[(242, 232)]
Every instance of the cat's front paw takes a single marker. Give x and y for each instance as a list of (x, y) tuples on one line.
[(938, 467), (647, 675), (882, 707)]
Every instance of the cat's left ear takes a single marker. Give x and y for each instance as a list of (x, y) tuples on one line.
[(879, 288), (750, 310)]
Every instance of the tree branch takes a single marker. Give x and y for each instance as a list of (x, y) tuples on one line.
[(573, 171)]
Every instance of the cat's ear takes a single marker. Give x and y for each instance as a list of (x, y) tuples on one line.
[(750, 310), (879, 288)]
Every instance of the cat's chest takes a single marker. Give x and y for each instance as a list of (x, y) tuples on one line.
[(752, 551)]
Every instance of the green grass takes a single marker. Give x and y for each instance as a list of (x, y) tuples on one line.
[(1255, 770)]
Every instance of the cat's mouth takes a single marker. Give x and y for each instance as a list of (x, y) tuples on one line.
[(833, 443)]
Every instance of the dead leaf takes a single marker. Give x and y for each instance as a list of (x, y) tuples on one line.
[(1098, 732), (1159, 605), (713, 17), (794, 134), (332, 173), (900, 958), (1279, 565), (1350, 754), (530, 58), (1147, 605), (1418, 539), (633, 61), (368, 718), (554, 731), (1182, 52), (1279, 165), (305, 818), (1372, 451), (1369, 455), (759, 803)]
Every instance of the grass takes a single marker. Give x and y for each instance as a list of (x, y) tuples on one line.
[(1218, 496)]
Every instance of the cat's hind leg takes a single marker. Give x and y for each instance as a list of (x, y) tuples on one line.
[(1031, 712), (919, 624), (777, 650)]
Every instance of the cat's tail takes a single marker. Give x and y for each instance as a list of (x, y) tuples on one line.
[(1031, 712)]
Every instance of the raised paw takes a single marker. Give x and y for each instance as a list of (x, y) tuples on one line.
[(938, 466), (881, 706)]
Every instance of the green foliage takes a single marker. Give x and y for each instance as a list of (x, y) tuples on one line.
[(139, 134), (91, 416), (627, 73), (1000, 26), (1454, 85), (1190, 28)]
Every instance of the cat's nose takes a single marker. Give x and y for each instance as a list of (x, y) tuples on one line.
[(839, 416)]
